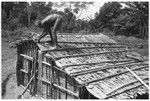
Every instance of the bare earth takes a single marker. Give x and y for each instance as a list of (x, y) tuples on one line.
[(10, 90)]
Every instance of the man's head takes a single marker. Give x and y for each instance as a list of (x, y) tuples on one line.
[(38, 23)]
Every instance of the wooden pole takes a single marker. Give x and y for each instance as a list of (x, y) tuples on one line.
[(137, 77), (20, 96)]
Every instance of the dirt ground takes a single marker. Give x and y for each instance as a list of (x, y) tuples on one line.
[(10, 90), (8, 70)]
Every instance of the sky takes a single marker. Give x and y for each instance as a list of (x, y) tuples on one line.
[(89, 12)]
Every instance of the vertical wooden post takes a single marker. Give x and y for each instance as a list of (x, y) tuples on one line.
[(52, 78), (39, 86), (34, 69), (19, 66), (58, 76), (66, 84)]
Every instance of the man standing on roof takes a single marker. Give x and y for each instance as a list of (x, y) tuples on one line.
[(52, 20)]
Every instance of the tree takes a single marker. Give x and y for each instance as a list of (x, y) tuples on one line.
[(134, 20), (107, 12), (13, 11)]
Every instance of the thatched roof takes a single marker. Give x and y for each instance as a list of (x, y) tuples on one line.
[(101, 65)]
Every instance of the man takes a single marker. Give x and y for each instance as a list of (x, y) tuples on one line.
[(52, 20)]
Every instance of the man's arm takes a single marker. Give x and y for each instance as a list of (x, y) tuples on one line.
[(44, 33)]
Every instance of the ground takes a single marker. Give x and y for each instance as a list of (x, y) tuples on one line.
[(10, 90)]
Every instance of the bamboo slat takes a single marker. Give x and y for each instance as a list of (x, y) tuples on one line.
[(85, 83)]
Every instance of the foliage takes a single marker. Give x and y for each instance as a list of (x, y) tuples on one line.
[(129, 20), (107, 12), (134, 20), (29, 12)]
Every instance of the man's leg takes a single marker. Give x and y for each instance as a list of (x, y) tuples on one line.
[(55, 28), (50, 34)]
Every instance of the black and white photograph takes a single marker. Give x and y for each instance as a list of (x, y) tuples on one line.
[(75, 49)]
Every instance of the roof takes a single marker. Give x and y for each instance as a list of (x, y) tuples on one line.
[(104, 67)]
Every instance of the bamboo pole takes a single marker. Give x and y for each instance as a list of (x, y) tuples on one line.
[(93, 63), (106, 67), (66, 90)]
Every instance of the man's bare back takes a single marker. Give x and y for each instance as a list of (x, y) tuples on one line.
[(52, 20)]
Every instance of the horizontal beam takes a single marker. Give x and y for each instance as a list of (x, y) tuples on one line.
[(66, 90), (107, 67), (46, 63), (22, 70), (113, 75), (123, 91), (44, 80), (93, 63), (27, 57), (99, 53), (125, 85), (76, 48), (87, 43), (46, 41)]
